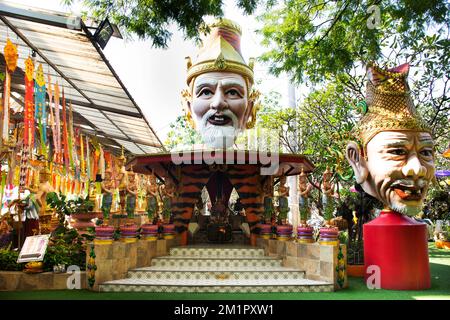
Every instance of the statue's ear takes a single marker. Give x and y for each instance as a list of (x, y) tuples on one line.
[(252, 108), (187, 106), (248, 113), (358, 163)]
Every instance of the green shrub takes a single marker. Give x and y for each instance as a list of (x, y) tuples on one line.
[(8, 260)]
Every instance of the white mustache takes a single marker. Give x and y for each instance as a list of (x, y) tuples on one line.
[(420, 183), (225, 112)]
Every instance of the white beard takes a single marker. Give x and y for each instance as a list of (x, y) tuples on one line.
[(219, 137), (406, 210)]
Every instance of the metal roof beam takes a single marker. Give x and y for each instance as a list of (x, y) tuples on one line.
[(100, 52), (54, 19), (89, 105), (32, 46)]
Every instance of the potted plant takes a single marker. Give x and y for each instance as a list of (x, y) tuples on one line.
[(328, 233), (104, 234), (80, 210), (265, 226), (284, 229), (304, 232), (168, 228)]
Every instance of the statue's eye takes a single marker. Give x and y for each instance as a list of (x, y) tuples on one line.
[(205, 92), (233, 92), (397, 152), (426, 152)]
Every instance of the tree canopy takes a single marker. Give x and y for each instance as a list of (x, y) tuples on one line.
[(315, 40), (150, 19), (325, 45)]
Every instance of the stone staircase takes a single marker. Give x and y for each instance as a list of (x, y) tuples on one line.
[(218, 268)]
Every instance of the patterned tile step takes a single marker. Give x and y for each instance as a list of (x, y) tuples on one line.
[(181, 262), (226, 274), (225, 251), (232, 286), (202, 269)]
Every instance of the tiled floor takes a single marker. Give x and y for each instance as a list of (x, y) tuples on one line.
[(216, 268)]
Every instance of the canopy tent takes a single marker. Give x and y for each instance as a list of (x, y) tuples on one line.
[(68, 52)]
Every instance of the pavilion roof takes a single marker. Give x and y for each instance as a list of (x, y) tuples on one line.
[(67, 50)]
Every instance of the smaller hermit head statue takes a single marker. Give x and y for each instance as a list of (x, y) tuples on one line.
[(393, 155)]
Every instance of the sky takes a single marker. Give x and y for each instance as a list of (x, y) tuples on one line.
[(156, 77)]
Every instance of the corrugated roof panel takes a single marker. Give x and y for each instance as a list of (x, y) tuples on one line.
[(148, 149), (132, 147), (72, 59)]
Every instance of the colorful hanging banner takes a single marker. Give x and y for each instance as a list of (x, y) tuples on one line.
[(11, 56), (82, 162), (70, 138), (76, 156), (3, 186), (52, 117), (102, 161), (65, 133), (88, 160), (57, 132), (40, 109), (28, 134), (23, 169)]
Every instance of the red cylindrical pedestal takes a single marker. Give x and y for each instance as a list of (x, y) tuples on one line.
[(398, 245)]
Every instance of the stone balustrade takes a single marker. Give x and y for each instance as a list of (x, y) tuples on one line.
[(114, 260), (318, 261)]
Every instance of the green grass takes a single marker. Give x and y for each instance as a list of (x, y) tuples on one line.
[(440, 289)]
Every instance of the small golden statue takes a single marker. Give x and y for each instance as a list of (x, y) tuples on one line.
[(304, 188), (152, 198), (121, 182), (108, 188), (131, 193), (45, 213), (283, 194), (168, 191)]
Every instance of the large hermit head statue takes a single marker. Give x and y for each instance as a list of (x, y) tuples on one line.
[(393, 157), (220, 102)]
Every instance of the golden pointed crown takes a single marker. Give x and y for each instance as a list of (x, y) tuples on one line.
[(389, 104), (221, 51)]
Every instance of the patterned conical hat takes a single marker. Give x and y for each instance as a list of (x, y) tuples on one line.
[(221, 51), (389, 104)]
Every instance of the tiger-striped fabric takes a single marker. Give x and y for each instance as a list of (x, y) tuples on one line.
[(244, 178)]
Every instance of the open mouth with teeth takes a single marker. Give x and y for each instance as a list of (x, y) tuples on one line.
[(408, 193), (219, 120)]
